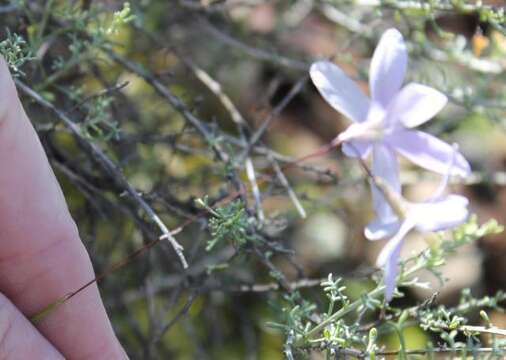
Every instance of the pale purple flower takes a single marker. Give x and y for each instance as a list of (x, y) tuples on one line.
[(440, 212), (384, 126), (388, 118)]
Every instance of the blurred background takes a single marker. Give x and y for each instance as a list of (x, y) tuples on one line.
[(211, 100)]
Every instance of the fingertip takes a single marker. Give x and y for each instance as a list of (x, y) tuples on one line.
[(3, 62), (28, 187), (5, 74), (18, 337), (9, 100)]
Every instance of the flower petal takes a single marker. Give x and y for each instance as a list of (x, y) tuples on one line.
[(356, 148), (378, 229), (440, 215), (428, 152), (415, 104), (339, 90), (389, 257), (386, 167), (388, 67), (438, 193)]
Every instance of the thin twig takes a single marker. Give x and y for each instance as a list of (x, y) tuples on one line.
[(240, 122), (8, 8), (174, 101), (482, 329), (184, 310), (299, 85), (103, 92), (291, 194), (254, 52), (255, 190), (109, 167)]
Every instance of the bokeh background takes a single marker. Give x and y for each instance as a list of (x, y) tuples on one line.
[(132, 80)]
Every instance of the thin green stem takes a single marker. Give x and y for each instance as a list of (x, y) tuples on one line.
[(353, 306), (402, 342), (45, 18), (344, 311)]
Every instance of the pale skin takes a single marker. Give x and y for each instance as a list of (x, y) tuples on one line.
[(41, 255)]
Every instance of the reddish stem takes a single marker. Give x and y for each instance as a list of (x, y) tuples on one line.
[(122, 263)]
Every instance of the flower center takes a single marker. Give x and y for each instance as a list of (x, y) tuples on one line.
[(374, 128)]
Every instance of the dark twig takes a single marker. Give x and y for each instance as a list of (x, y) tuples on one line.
[(299, 85), (108, 166), (184, 310), (254, 52), (174, 101)]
